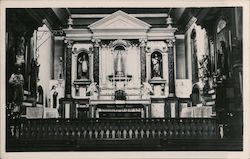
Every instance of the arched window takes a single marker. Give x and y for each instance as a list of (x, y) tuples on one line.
[(156, 65), (194, 56), (82, 66)]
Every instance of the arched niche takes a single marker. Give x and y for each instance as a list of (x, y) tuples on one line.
[(156, 65), (119, 62), (83, 65), (195, 96), (40, 94), (157, 68)]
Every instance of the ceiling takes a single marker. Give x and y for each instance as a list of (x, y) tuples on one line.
[(82, 17), (57, 18)]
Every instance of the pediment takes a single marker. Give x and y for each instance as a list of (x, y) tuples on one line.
[(119, 20)]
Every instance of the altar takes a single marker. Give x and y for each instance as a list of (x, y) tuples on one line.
[(121, 67)]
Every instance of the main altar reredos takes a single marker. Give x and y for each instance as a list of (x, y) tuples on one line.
[(122, 67)]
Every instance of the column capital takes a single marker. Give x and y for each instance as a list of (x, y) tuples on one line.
[(69, 43), (170, 42), (143, 42), (96, 42)]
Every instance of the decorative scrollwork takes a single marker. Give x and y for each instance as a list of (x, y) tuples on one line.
[(170, 42), (143, 42), (121, 42), (96, 42)]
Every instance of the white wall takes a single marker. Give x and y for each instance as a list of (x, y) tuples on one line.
[(45, 41)]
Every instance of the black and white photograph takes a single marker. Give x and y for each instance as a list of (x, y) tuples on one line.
[(124, 78)]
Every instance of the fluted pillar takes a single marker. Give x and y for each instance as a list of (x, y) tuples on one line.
[(143, 59), (171, 68), (96, 60), (68, 77)]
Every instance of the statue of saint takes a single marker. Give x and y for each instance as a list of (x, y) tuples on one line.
[(156, 66), (16, 81), (146, 90), (53, 97), (82, 67), (20, 51), (119, 69), (92, 90)]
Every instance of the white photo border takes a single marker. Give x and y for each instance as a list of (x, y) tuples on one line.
[(127, 3)]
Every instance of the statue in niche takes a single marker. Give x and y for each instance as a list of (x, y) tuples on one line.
[(20, 51), (40, 94), (146, 90), (156, 65), (92, 90), (82, 66), (16, 82), (53, 97), (119, 71)]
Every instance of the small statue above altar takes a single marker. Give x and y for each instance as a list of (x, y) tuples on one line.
[(146, 90), (82, 66), (92, 90)]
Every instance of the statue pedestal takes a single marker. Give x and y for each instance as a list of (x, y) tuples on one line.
[(158, 86), (80, 87)]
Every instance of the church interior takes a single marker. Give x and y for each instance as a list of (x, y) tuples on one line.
[(83, 79)]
